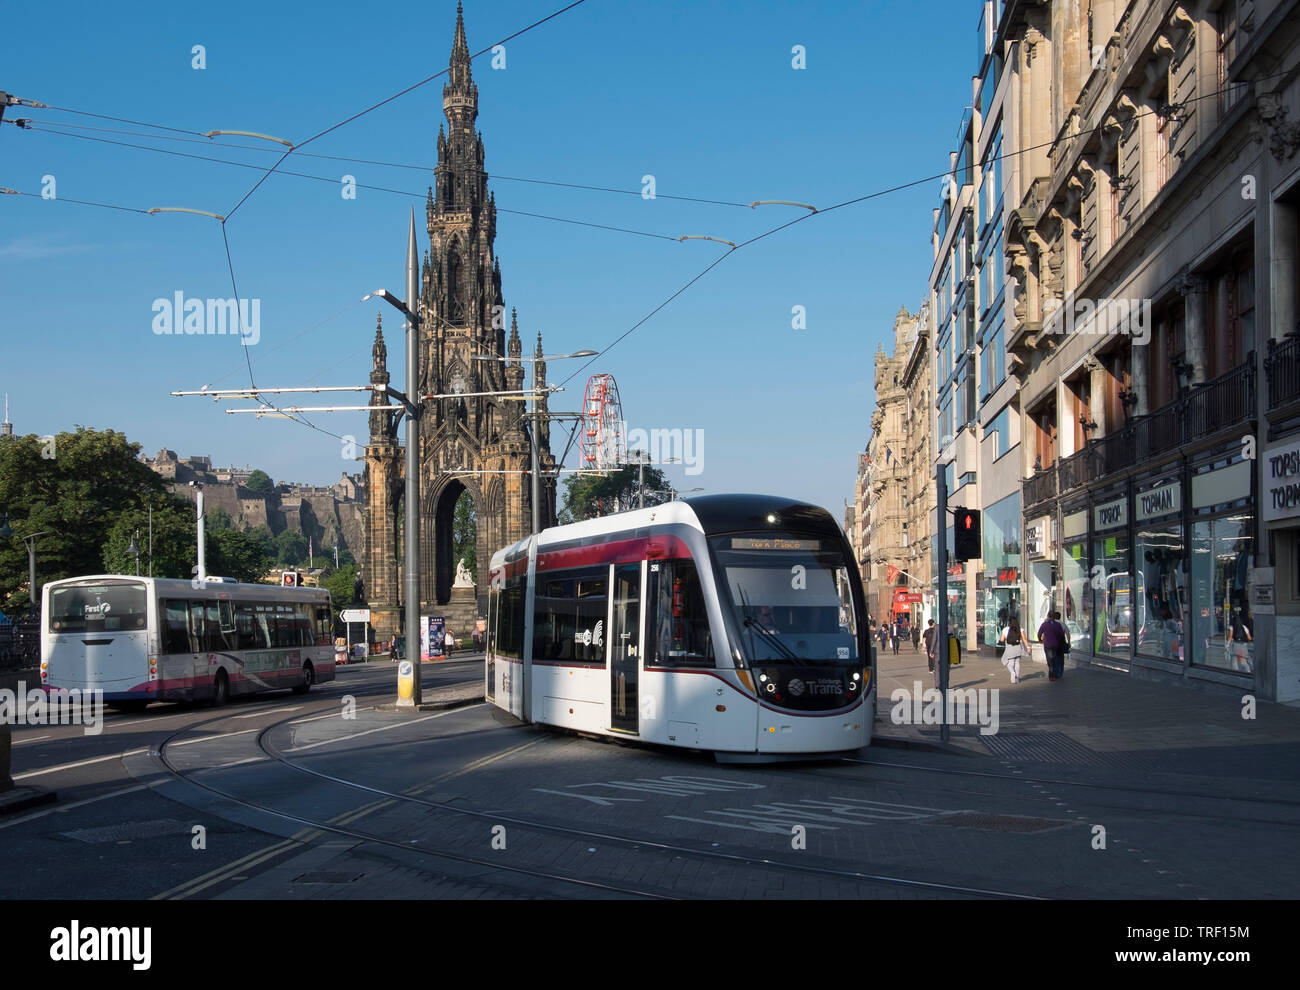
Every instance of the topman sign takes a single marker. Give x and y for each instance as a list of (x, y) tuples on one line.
[(1281, 495), (1160, 501), (1111, 515)]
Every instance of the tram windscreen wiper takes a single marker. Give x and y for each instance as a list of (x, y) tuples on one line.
[(770, 637)]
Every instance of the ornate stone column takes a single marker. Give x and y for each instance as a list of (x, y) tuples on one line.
[(1193, 289)]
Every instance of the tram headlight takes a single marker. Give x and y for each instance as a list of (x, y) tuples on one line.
[(771, 688)]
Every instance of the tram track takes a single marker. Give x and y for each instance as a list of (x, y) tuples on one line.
[(1101, 786), (639, 843), (159, 753)]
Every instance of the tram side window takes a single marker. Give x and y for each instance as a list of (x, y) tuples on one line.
[(591, 587), (510, 642), (679, 622), (553, 617), (175, 633)]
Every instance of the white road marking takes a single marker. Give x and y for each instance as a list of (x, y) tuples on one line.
[(20, 742), (60, 809), (383, 728), (129, 752), (80, 763)]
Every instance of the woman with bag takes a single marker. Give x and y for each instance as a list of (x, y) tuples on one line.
[(1014, 640), (1238, 639)]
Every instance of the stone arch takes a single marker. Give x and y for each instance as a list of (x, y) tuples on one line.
[(437, 546)]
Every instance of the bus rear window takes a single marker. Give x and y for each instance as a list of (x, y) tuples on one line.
[(98, 608)]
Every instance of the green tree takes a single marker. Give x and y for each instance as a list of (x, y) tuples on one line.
[(174, 542), (464, 534), (341, 585), (217, 519), (259, 481), (231, 553), (76, 487), (291, 548), (587, 496), (266, 540)]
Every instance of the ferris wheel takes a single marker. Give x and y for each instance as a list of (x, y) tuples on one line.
[(603, 443)]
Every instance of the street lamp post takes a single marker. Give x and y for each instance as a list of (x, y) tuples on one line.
[(411, 403), (30, 540), (134, 550)]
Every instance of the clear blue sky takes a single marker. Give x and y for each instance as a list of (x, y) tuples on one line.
[(701, 95)]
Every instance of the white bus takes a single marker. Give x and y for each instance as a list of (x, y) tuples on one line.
[(140, 639), (731, 623)]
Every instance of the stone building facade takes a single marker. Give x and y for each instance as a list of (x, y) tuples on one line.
[(477, 445), (887, 499), (1152, 203)]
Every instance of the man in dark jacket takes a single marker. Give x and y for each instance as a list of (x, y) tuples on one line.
[(930, 634), (1052, 635)]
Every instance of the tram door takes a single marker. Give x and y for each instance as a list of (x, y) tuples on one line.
[(625, 647)]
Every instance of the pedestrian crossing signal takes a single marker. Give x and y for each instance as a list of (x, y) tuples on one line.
[(966, 535)]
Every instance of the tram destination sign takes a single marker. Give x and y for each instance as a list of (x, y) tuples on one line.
[(773, 543)]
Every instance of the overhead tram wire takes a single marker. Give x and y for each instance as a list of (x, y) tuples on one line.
[(746, 243), (334, 127), (395, 96), (869, 196), (360, 185)]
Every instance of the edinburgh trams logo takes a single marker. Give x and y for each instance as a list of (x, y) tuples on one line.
[(795, 687)]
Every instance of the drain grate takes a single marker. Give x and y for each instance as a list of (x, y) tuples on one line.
[(1042, 747), (997, 823), (327, 876)]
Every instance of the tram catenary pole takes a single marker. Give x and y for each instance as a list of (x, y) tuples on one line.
[(411, 525)]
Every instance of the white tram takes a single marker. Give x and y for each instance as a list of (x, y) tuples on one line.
[(140, 639), (731, 623)]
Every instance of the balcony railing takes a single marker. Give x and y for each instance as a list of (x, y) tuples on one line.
[(1039, 487), (1282, 369), (1213, 406)]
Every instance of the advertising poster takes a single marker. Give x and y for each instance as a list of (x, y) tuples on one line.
[(433, 634)]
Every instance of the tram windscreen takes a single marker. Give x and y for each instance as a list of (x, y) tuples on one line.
[(790, 597)]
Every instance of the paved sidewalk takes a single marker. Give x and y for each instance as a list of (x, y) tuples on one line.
[(1092, 710)]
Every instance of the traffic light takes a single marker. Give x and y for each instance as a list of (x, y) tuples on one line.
[(966, 535)]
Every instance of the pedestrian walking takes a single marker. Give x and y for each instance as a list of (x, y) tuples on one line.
[(1014, 640), (931, 635), (916, 636), (1238, 641), (883, 635), (1056, 641), (895, 633)]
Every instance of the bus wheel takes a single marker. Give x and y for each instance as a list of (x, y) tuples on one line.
[(309, 678), (220, 689)]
